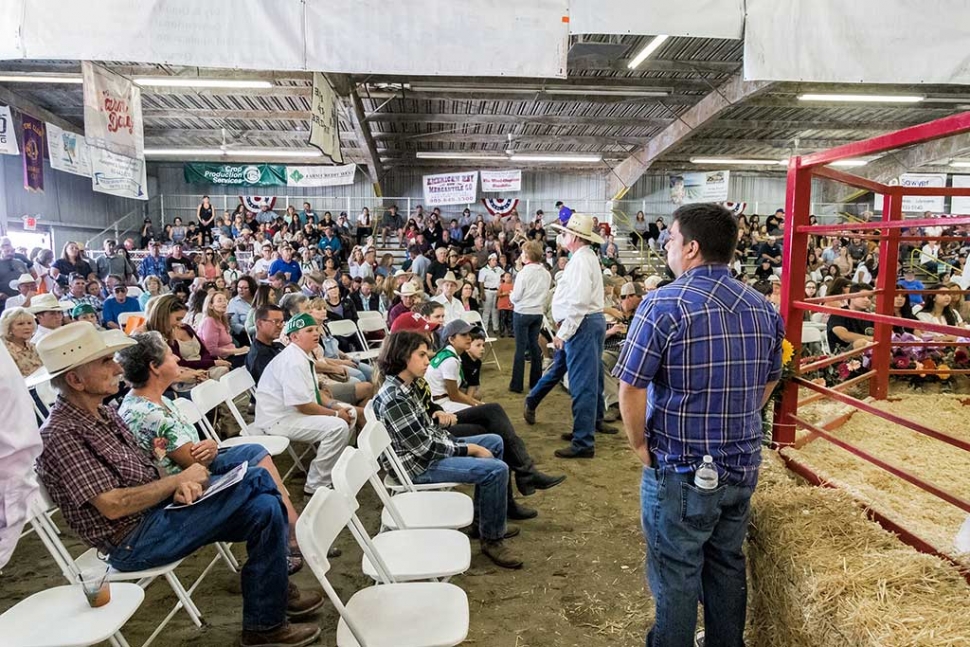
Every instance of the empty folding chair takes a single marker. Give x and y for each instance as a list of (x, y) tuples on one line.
[(210, 394), (475, 318), (347, 328), (406, 510), (375, 439), (390, 615), (372, 321)]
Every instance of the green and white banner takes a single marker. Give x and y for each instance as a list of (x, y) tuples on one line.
[(320, 175), (235, 174)]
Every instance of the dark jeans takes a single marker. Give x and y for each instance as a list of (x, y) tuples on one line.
[(251, 510), (526, 329), (491, 419), (694, 540), (505, 322), (582, 358)]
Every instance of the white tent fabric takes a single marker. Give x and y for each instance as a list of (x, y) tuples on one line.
[(702, 18), (862, 41)]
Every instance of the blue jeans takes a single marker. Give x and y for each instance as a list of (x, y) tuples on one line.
[(251, 510), (526, 330), (363, 372), (230, 457), (694, 540), (491, 479), (581, 358)]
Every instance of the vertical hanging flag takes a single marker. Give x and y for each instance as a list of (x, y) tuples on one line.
[(324, 125), (8, 133), (33, 130)]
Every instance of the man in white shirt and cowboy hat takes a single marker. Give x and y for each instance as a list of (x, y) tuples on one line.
[(49, 313), (26, 286), (410, 295), (577, 306), (448, 284), (490, 277)]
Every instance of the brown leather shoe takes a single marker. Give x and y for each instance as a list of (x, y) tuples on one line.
[(300, 603), (510, 531), (501, 554), (289, 635), (529, 414)]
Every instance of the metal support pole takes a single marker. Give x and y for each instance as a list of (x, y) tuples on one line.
[(892, 210)]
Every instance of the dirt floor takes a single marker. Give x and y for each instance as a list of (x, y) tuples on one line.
[(582, 584)]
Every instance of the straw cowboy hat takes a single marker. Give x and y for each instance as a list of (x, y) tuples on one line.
[(77, 344), (449, 277), (580, 225), (22, 280), (407, 290), (48, 303)]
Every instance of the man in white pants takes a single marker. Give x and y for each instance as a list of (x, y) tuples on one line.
[(490, 277), (289, 402)]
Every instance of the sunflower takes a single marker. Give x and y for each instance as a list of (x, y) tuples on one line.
[(787, 352)]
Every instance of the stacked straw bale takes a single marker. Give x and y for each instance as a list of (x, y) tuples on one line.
[(823, 575)]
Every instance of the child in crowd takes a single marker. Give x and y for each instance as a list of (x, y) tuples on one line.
[(471, 363), (86, 312), (505, 306), (445, 375)]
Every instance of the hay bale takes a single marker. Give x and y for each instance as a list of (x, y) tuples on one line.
[(823, 575)]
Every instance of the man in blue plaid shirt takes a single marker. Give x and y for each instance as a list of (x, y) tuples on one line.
[(702, 357)]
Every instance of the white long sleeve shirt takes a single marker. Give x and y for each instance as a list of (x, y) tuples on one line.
[(530, 289), (578, 293)]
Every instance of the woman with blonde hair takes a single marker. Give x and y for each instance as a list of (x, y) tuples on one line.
[(166, 318), (17, 326), (214, 330), (153, 288)]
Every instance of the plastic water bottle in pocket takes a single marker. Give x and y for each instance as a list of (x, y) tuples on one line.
[(705, 477)]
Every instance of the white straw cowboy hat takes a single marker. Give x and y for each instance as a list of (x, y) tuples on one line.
[(22, 280), (48, 303), (449, 277), (580, 225), (407, 290), (77, 344)]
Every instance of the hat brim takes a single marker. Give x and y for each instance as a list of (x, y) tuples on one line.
[(401, 293), (63, 306), (591, 237), (43, 375), (440, 281)]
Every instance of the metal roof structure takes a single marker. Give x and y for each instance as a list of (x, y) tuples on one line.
[(602, 108)]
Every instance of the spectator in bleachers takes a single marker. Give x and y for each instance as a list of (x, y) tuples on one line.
[(467, 296), (391, 223), (287, 265), (179, 267), (848, 332), (214, 330), (114, 262), (84, 312), (17, 327), (207, 265), (366, 299), (640, 231), (110, 492), (357, 266), (937, 310), (116, 305), (153, 264), (70, 263)]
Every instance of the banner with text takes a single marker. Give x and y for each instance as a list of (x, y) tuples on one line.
[(959, 204), (710, 186), (450, 188), (8, 133), (501, 181), (234, 174), (68, 151), (320, 175), (918, 203), (112, 112), (118, 175), (33, 136), (324, 126)]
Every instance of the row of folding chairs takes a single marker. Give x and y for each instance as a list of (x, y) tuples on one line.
[(367, 322)]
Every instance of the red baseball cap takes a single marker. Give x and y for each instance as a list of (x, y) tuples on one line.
[(412, 322)]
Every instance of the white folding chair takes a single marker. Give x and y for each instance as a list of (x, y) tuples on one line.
[(406, 510), (134, 291), (347, 328), (61, 616), (372, 321), (475, 318), (389, 615), (375, 439), (812, 336)]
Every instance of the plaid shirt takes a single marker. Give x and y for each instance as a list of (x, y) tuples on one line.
[(705, 346), (85, 456), (95, 302), (416, 439)]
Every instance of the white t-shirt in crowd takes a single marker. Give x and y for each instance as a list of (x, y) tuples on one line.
[(454, 309), (260, 265), (287, 381), (450, 369)]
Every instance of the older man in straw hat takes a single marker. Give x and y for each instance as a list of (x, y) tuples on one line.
[(448, 284), (26, 286), (577, 306), (410, 295), (289, 402), (110, 493), (50, 314)]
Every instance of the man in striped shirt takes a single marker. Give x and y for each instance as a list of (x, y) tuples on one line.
[(702, 357)]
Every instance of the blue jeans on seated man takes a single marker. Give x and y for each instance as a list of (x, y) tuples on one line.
[(491, 479), (581, 358), (250, 511), (694, 540)]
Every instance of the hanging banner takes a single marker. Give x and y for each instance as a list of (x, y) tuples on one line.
[(112, 112), (500, 207), (303, 176), (118, 175), (501, 181), (8, 133), (33, 136), (255, 202), (324, 126), (688, 188), (234, 174), (450, 188), (68, 151), (918, 203), (960, 204)]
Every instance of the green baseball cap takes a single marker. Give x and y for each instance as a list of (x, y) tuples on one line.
[(299, 322)]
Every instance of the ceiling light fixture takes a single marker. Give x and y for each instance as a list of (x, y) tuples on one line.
[(17, 77), (733, 161), (864, 98), (849, 163), (579, 159), (426, 155), (650, 48), (232, 152), (960, 164), (192, 82), (616, 91)]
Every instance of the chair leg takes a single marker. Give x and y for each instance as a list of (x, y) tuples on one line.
[(225, 551), (184, 598), (495, 357)]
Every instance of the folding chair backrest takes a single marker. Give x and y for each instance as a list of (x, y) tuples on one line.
[(472, 316), (125, 316), (208, 395), (342, 328), (190, 412), (371, 322), (811, 335), (37, 517), (238, 381), (369, 414), (353, 469), (375, 440)]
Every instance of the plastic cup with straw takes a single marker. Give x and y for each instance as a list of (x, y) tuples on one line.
[(96, 587)]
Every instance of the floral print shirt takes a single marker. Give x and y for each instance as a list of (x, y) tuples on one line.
[(158, 430)]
